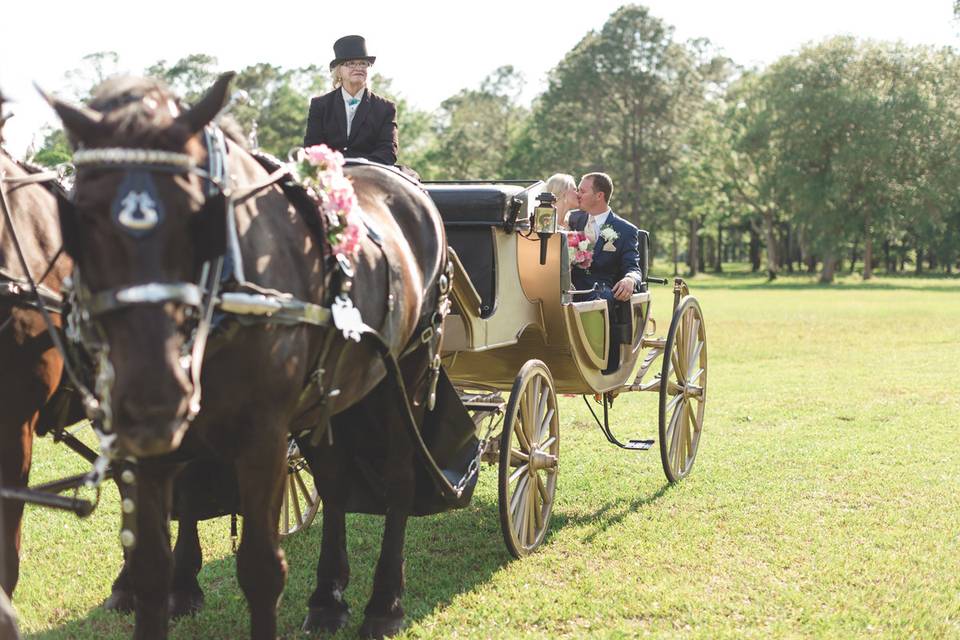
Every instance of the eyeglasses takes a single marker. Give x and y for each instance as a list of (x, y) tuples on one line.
[(356, 64)]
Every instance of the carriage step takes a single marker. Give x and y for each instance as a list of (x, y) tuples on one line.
[(639, 445)]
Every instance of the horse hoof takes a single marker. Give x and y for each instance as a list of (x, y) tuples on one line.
[(120, 601), (325, 620), (185, 603), (381, 626)]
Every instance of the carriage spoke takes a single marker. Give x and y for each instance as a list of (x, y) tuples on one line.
[(674, 402), (518, 457), (522, 469), (535, 510), (675, 364), (546, 444), (521, 436), (679, 438), (693, 379), (544, 423), (542, 488), (692, 339), (286, 511), (695, 355), (307, 494), (533, 398), (297, 513), (675, 427), (671, 427), (517, 495)]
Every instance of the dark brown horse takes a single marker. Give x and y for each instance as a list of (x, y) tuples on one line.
[(136, 256), (31, 367)]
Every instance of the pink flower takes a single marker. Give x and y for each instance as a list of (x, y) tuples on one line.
[(323, 156), (579, 249)]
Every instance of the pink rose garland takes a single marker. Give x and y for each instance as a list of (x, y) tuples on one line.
[(321, 170)]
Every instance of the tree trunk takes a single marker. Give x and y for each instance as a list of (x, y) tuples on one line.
[(867, 250), (853, 255), (829, 265), (673, 228), (771, 241), (693, 248), (718, 267), (754, 251)]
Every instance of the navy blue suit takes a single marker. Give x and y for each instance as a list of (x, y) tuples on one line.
[(608, 267)]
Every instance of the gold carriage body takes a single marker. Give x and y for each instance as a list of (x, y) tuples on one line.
[(525, 309), (515, 327)]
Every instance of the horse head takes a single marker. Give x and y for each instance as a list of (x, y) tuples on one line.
[(145, 222)]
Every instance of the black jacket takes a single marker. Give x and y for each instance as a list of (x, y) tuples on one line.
[(373, 133)]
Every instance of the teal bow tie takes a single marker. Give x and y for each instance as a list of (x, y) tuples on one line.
[(353, 101)]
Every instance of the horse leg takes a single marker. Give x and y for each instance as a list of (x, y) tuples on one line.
[(261, 568), (383, 616), (151, 561), (121, 598), (187, 596), (327, 608), (15, 460)]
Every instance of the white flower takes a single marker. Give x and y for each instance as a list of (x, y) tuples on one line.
[(608, 234), (584, 245)]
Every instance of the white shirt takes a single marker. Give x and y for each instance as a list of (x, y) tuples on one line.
[(351, 108)]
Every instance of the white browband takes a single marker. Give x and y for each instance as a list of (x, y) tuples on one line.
[(119, 156)]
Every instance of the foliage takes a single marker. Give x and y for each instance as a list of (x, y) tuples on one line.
[(54, 150), (620, 102), (843, 149), (477, 128)]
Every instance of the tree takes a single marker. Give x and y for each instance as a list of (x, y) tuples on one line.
[(477, 128), (620, 102)]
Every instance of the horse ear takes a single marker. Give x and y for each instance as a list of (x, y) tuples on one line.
[(80, 122), (213, 101)]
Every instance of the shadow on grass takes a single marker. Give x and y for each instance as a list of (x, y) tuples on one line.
[(609, 514), (446, 555)]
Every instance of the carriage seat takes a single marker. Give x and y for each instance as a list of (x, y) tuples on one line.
[(474, 204), (471, 214)]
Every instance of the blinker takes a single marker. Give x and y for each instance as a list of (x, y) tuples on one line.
[(137, 208)]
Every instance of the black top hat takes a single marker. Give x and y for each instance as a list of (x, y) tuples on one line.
[(350, 48)]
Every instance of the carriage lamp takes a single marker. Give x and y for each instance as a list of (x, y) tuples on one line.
[(545, 221)]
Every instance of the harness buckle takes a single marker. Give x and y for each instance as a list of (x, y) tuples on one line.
[(427, 335)]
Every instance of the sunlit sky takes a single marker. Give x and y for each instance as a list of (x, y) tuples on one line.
[(430, 49)]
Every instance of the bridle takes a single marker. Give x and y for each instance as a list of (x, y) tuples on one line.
[(138, 213)]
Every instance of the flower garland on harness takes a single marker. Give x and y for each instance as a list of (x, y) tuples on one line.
[(320, 170)]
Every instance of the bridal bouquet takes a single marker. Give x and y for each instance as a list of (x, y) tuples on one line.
[(321, 170), (580, 249)]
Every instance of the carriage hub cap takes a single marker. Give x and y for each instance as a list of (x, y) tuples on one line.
[(541, 460)]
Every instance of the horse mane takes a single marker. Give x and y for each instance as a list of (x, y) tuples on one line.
[(145, 110)]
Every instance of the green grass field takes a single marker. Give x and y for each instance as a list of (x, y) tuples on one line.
[(825, 500)]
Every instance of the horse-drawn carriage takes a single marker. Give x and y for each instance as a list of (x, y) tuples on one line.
[(517, 327), (516, 334)]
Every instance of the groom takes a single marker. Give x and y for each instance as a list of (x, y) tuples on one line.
[(614, 273)]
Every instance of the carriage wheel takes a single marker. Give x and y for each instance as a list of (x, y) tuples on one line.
[(300, 498), (529, 451), (683, 389)]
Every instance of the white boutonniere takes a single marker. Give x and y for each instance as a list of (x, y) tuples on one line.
[(609, 237), (608, 234)]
